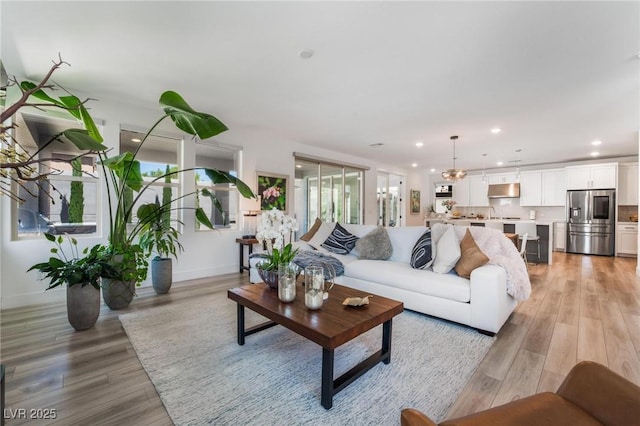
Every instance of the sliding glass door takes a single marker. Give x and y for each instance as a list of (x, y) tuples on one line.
[(389, 199), (330, 192)]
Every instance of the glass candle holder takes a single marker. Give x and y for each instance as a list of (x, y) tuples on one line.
[(287, 281), (314, 287)]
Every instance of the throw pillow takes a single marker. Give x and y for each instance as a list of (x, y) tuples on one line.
[(471, 256), (322, 234), (376, 245), (340, 241), (447, 252), (423, 252), (312, 231)]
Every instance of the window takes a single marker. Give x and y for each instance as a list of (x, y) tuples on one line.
[(331, 192), (67, 200), (224, 159), (158, 156)]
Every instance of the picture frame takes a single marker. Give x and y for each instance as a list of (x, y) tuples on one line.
[(273, 191), (414, 200)]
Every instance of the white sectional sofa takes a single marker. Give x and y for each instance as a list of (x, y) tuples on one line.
[(481, 302)]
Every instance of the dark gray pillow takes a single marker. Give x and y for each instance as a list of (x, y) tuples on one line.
[(423, 252), (340, 241), (376, 245)]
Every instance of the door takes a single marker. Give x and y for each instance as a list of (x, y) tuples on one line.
[(602, 207), (578, 207), (389, 199)]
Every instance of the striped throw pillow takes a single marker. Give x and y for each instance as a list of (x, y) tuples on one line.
[(340, 241)]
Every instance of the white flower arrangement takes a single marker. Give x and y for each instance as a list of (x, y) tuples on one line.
[(274, 229)]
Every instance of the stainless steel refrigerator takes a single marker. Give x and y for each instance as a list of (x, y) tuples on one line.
[(591, 221)]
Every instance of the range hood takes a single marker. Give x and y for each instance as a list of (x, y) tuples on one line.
[(504, 190)]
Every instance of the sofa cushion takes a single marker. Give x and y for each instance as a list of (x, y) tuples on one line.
[(322, 234), (423, 252), (447, 252), (376, 245), (403, 276), (340, 240), (357, 229), (471, 256), (312, 231), (403, 239)]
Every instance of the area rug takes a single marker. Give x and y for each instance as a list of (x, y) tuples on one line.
[(203, 376)]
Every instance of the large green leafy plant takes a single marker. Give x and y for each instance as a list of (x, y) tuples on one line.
[(123, 174), (71, 268), (157, 235)]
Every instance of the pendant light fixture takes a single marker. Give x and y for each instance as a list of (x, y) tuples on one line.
[(454, 174)]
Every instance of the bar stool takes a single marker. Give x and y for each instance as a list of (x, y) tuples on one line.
[(529, 229)]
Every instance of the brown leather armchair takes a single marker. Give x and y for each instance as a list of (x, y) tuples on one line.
[(591, 394)]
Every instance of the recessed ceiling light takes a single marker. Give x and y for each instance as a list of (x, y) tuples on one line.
[(595, 153), (135, 140), (419, 144), (414, 164), (596, 143), (496, 130), (298, 166), (306, 53), (432, 170), (499, 163)]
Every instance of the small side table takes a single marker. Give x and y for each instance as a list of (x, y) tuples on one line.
[(249, 242)]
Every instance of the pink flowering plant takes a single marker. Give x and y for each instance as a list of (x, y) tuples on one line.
[(274, 228)]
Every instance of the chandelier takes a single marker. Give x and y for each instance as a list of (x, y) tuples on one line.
[(454, 174)]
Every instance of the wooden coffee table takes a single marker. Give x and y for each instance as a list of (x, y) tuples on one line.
[(329, 327)]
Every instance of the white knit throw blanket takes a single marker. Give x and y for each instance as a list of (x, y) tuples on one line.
[(501, 252)]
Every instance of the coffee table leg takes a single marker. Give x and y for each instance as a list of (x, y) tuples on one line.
[(240, 324), (386, 342), (326, 398)]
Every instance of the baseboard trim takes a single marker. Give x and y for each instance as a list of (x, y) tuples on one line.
[(35, 298), (59, 295)]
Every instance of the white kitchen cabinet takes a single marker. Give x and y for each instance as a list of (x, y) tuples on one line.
[(594, 176), (478, 192), (627, 239), (461, 193), (554, 189), (502, 178), (542, 188), (628, 184), (559, 236), (530, 189)]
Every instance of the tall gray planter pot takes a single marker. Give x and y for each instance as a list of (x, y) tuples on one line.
[(83, 306), (117, 294), (161, 274)]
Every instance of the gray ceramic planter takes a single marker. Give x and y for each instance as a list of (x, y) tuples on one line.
[(161, 274), (83, 306), (118, 294)]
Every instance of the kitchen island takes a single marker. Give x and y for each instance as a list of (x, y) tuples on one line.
[(544, 228)]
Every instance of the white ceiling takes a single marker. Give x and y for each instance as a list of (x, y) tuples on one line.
[(553, 75)]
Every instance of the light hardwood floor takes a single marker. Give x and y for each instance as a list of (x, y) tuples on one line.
[(581, 308)]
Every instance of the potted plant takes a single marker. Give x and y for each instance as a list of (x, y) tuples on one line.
[(158, 236), (123, 174), (273, 228), (82, 276)]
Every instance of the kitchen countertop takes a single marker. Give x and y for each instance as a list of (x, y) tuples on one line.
[(543, 222)]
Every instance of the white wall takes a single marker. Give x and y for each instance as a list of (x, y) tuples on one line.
[(207, 252)]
